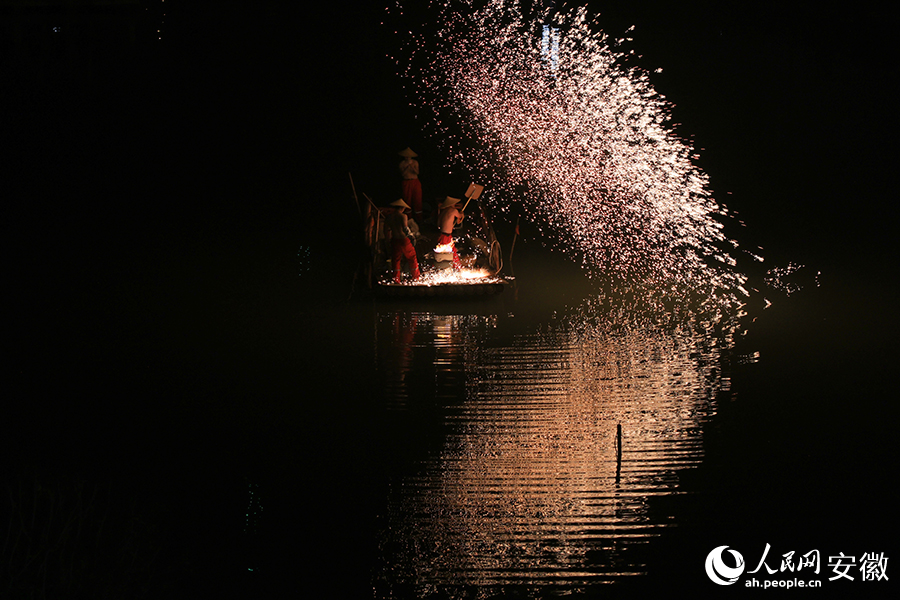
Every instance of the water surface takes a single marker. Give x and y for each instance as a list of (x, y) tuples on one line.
[(552, 440)]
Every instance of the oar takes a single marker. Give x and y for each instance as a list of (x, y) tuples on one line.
[(472, 193)]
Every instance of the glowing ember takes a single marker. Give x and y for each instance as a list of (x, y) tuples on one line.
[(583, 136), (452, 276), (444, 249)]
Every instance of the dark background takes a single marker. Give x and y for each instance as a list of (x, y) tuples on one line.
[(161, 195), (262, 113)]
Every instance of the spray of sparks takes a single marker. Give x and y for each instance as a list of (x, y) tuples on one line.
[(545, 110), (449, 276)]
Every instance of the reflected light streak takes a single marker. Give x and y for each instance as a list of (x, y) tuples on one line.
[(528, 487)]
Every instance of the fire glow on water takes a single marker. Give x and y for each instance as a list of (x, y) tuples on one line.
[(454, 276), (544, 109)]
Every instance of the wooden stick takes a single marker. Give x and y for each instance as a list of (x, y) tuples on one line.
[(618, 452), (377, 218), (355, 197), (513, 247)]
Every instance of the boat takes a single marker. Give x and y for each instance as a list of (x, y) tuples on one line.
[(476, 245)]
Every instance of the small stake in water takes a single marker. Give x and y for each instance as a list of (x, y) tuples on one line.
[(618, 452)]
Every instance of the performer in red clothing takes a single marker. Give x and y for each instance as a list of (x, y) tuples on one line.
[(411, 186), (449, 217), (401, 244)]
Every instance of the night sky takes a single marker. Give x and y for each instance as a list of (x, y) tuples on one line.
[(789, 107)]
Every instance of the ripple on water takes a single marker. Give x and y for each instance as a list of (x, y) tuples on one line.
[(554, 442)]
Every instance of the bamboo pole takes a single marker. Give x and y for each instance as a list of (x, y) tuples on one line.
[(513, 247), (355, 197)]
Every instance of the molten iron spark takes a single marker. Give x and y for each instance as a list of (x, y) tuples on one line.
[(577, 139), (452, 276)]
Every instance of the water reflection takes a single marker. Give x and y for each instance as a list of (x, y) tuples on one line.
[(530, 485), (411, 345)]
